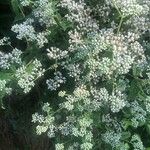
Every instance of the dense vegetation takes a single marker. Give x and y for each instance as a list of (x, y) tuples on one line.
[(75, 74)]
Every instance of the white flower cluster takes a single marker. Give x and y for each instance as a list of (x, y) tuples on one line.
[(55, 83), (26, 76), (82, 129), (100, 98), (137, 143), (46, 122), (138, 11), (102, 10), (5, 41), (79, 13), (106, 118), (25, 2), (56, 53), (41, 39), (111, 53), (59, 146), (112, 138), (66, 128), (78, 127), (117, 101), (112, 122), (74, 70), (141, 23), (27, 31), (130, 7), (3, 88), (62, 93), (8, 59), (75, 37), (138, 114), (86, 146), (80, 97), (44, 11)]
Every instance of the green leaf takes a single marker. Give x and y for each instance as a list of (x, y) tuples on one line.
[(17, 9), (136, 88), (5, 75), (126, 123), (63, 22), (125, 135)]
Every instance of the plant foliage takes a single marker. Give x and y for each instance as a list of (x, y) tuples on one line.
[(84, 68)]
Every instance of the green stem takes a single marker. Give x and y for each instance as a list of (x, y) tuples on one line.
[(120, 24), (120, 14), (117, 8), (21, 10)]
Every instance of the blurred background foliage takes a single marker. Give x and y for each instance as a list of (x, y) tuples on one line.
[(6, 17)]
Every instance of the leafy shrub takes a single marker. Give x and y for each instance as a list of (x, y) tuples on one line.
[(89, 63)]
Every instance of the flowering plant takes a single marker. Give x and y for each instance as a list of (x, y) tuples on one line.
[(94, 63)]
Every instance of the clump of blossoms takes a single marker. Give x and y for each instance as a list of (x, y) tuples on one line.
[(15, 71), (130, 7), (136, 11), (4, 41), (9, 59), (96, 78), (104, 63), (53, 84), (43, 12), (27, 75), (4, 89), (79, 14), (27, 31), (45, 123)]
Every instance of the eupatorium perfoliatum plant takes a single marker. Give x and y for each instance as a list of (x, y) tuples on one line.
[(93, 57)]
